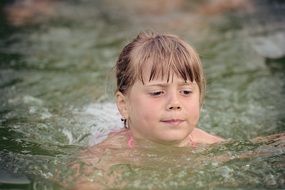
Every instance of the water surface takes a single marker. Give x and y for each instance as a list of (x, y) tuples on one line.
[(57, 82)]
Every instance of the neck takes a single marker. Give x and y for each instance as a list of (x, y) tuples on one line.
[(138, 141)]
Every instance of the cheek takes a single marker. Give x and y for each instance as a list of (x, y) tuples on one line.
[(193, 109), (196, 115), (196, 108), (144, 108)]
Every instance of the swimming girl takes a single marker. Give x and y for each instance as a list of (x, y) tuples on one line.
[(160, 91)]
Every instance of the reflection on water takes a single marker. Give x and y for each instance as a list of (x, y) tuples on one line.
[(56, 86)]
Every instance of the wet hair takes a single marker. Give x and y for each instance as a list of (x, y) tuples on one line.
[(167, 54)]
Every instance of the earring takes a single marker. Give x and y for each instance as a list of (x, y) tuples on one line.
[(125, 123)]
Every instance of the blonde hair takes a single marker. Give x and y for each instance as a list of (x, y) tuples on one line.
[(168, 55)]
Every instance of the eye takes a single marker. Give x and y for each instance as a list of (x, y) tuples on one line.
[(156, 93), (186, 92)]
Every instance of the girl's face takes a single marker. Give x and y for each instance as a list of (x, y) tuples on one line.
[(160, 111)]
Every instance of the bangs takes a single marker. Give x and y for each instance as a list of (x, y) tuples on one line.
[(167, 57)]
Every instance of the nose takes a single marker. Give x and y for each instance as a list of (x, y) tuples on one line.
[(174, 103), (174, 107)]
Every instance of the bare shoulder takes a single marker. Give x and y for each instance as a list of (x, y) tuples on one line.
[(202, 137), (114, 141)]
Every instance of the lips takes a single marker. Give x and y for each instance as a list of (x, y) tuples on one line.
[(172, 122)]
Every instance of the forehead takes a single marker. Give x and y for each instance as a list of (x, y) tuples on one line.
[(151, 73), (163, 70)]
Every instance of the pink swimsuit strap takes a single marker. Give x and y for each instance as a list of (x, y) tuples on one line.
[(131, 142), (193, 144)]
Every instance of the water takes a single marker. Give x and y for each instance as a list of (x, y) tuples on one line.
[(56, 86)]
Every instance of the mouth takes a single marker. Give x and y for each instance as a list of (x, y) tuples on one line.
[(172, 122)]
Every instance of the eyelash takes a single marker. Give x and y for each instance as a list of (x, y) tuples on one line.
[(186, 92), (156, 93), (159, 93)]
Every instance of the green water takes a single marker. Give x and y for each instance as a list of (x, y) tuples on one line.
[(57, 82)]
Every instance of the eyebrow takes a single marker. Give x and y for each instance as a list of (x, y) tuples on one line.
[(164, 84)]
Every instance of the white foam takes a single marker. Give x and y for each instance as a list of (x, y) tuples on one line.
[(101, 118)]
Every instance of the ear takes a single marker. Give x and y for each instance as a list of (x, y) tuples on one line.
[(121, 101)]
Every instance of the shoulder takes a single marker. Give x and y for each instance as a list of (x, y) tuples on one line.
[(116, 139), (202, 137)]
